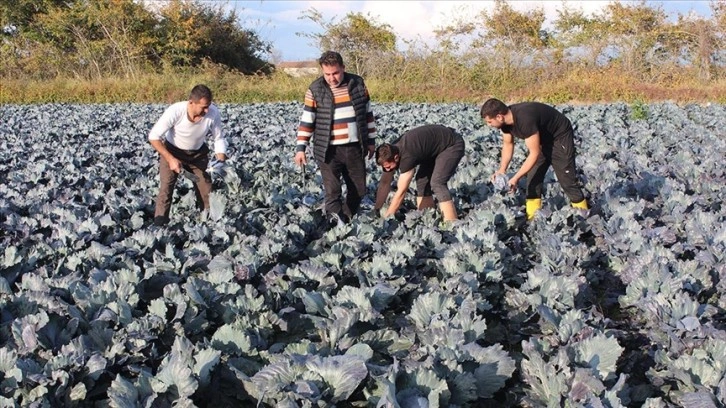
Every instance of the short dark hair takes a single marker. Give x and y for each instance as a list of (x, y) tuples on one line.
[(493, 107), (385, 153), (200, 92), (330, 58)]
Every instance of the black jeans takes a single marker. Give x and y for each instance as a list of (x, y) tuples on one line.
[(346, 161), (561, 156)]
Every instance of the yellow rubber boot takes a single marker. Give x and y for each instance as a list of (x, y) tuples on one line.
[(582, 205), (531, 206)]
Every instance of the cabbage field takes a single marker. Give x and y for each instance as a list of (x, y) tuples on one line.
[(256, 304)]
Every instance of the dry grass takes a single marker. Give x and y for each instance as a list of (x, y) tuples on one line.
[(612, 85), (574, 86)]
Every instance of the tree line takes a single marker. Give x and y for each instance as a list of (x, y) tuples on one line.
[(498, 48), (93, 39), (505, 45)]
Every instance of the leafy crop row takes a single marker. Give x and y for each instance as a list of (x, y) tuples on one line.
[(255, 303)]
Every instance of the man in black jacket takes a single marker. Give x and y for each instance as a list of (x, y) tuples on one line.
[(337, 117)]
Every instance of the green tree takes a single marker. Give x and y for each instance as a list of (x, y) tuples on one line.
[(229, 44), (718, 9), (574, 31), (637, 33), (19, 38), (514, 30), (95, 39), (191, 32), (82, 38), (22, 13), (635, 37), (693, 41), (101, 38), (513, 44), (358, 38)]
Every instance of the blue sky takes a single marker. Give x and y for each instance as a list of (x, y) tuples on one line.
[(278, 21)]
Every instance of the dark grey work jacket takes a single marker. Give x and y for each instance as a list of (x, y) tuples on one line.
[(324, 114)]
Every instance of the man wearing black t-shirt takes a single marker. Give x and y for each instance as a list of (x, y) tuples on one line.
[(549, 137), (436, 150)]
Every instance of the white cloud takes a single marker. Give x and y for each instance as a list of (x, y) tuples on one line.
[(407, 18), (284, 12), (334, 8)]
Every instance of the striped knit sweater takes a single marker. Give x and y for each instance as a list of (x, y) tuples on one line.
[(344, 124)]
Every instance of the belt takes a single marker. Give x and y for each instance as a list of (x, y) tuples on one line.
[(172, 147), (346, 145)]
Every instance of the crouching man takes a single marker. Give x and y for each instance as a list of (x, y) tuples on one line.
[(436, 150), (179, 136), (549, 137)]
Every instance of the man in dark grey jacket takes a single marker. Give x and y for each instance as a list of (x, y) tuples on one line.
[(337, 117)]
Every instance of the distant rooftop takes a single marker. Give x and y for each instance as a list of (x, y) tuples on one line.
[(299, 68)]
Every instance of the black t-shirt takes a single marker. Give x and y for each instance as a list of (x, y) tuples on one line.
[(424, 143), (533, 117)]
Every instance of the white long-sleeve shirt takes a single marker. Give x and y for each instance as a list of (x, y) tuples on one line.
[(175, 127)]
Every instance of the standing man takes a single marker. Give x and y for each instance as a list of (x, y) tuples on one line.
[(437, 151), (337, 116), (549, 137), (180, 138)]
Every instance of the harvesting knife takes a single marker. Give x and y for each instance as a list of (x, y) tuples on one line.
[(308, 200), (189, 175)]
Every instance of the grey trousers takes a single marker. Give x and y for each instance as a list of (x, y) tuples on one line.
[(193, 160), (432, 177)]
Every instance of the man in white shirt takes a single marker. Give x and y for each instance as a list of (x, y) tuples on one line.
[(180, 138)]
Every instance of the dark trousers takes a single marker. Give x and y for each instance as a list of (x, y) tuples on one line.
[(193, 160), (344, 161), (561, 156), (432, 177)]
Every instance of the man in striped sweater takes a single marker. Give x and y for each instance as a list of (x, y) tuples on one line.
[(338, 120)]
